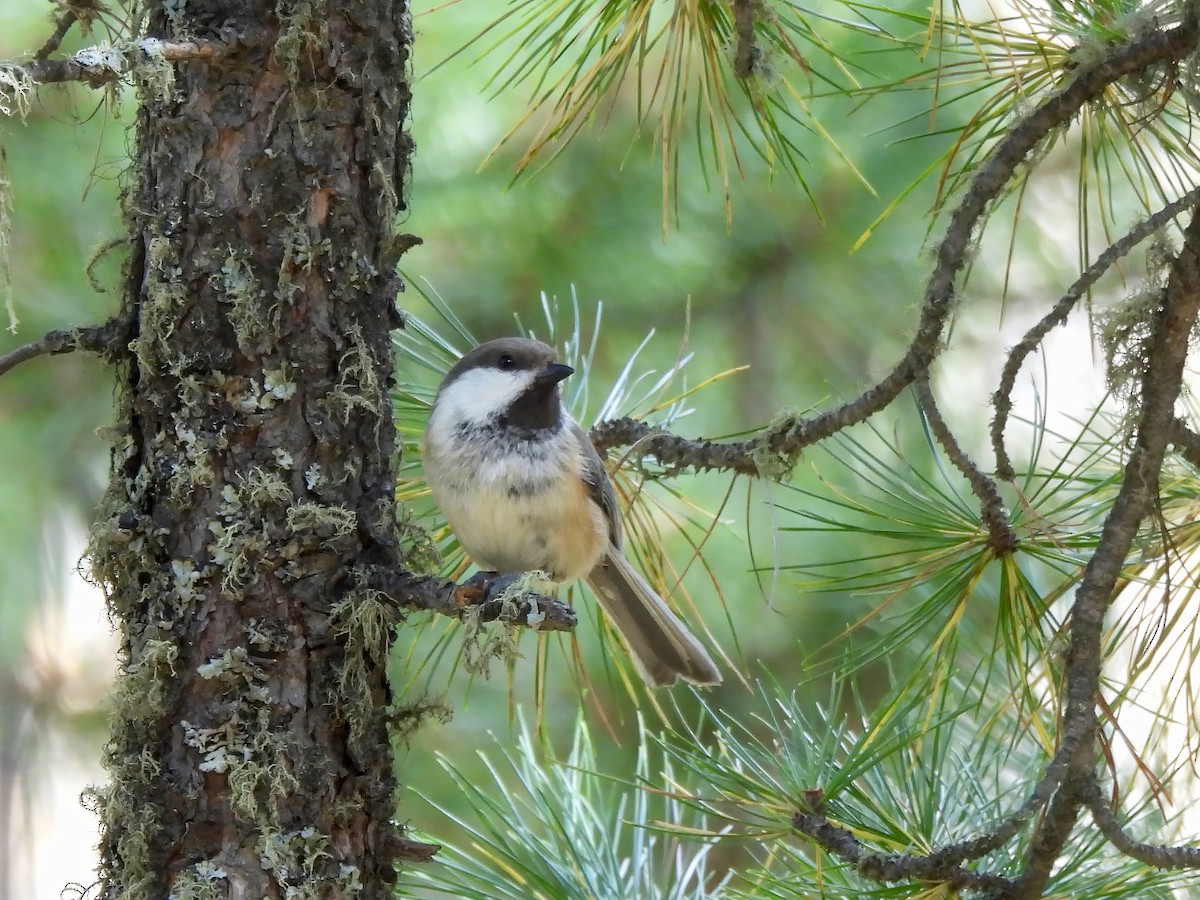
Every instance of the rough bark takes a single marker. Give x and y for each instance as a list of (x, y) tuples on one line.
[(252, 459)]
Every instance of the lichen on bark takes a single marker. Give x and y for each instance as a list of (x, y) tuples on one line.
[(251, 470)]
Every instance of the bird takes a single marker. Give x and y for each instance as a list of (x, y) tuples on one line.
[(522, 488)]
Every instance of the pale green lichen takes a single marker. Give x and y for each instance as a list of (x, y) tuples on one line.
[(263, 772), (303, 30), (486, 641), (143, 689), (232, 665), (200, 881), (772, 464), (295, 860), (1124, 334), (299, 254), (239, 539), (16, 90), (363, 623), (358, 379), (1125, 330), (194, 467), (251, 756), (313, 477), (233, 549), (327, 522), (243, 295), (276, 386), (161, 308), (262, 489), (152, 72)]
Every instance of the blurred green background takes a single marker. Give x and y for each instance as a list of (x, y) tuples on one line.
[(781, 290)]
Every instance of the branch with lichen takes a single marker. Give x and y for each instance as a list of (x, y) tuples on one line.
[(1002, 399), (1160, 389), (890, 867), (105, 339), (486, 596), (775, 450), (101, 65)]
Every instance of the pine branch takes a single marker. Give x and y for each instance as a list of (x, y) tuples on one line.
[(984, 844), (1161, 385), (890, 867), (777, 448), (1160, 856), (61, 27)]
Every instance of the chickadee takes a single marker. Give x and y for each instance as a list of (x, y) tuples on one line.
[(523, 488)]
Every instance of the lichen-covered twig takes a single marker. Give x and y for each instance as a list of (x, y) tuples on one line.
[(97, 339), (482, 597), (889, 867), (98, 66), (774, 450), (1002, 399), (1002, 540)]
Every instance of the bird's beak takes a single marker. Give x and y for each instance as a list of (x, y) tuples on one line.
[(554, 373)]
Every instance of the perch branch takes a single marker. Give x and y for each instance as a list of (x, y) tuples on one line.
[(777, 447), (1166, 355), (478, 596), (1002, 540), (1002, 399)]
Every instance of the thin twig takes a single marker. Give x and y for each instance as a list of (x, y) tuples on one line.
[(1002, 540), (52, 342), (1161, 856), (776, 449), (747, 52), (97, 339), (65, 21), (985, 843), (1002, 399)]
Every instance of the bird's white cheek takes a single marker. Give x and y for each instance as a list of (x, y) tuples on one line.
[(478, 395)]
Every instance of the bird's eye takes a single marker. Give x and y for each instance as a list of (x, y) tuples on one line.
[(507, 362)]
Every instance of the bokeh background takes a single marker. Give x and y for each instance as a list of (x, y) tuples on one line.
[(781, 288)]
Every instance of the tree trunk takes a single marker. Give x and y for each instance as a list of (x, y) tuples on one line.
[(252, 459)]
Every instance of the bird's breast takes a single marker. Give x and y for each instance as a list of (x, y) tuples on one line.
[(517, 505)]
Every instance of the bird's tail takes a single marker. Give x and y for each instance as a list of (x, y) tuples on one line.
[(658, 641)]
